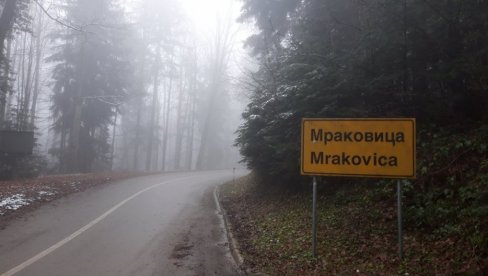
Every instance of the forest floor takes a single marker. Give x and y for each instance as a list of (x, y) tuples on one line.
[(18, 197), (357, 233)]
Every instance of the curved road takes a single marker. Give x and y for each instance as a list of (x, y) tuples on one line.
[(153, 225)]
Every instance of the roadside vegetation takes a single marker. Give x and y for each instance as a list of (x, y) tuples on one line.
[(445, 218)]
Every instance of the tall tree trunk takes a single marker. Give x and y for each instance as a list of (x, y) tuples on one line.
[(191, 108), (38, 67), (112, 151), (220, 61), (28, 87), (179, 127), (125, 150), (191, 133), (5, 85), (214, 90), (186, 119), (7, 20), (166, 123), (155, 165), (62, 149), (21, 84), (10, 95), (139, 103), (153, 111), (138, 136), (74, 148)]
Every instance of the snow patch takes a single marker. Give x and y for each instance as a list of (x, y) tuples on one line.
[(14, 202), (285, 115), (45, 193)]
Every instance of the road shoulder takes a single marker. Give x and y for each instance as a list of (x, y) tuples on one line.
[(20, 197)]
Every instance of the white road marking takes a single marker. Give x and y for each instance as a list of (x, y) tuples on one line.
[(82, 230)]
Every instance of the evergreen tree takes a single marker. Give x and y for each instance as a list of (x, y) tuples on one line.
[(91, 76), (339, 58), (14, 15)]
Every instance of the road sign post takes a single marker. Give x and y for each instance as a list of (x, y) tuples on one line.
[(380, 148), (314, 218), (399, 218)]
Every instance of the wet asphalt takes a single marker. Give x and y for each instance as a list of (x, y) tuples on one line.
[(164, 224)]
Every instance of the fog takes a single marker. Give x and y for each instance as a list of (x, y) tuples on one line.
[(144, 85)]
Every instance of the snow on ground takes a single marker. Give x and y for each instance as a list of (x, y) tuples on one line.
[(19, 196), (13, 202), (42, 194)]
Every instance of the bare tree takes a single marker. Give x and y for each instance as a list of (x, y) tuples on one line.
[(219, 58)]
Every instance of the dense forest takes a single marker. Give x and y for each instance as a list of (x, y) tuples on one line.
[(331, 59), (379, 59), (115, 85)]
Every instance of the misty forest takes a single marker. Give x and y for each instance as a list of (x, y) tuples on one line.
[(146, 86), (110, 85)]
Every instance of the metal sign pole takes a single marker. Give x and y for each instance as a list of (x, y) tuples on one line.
[(399, 216), (314, 218)]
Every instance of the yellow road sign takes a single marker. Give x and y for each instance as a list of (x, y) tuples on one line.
[(358, 147)]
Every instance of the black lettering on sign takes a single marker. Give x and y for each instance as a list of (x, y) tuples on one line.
[(327, 157), (338, 137), (358, 136), (317, 158), (317, 135), (328, 136), (320, 135), (336, 160), (368, 136), (344, 159), (393, 161), (367, 160), (356, 160)]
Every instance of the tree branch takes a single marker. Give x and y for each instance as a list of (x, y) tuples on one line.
[(70, 26)]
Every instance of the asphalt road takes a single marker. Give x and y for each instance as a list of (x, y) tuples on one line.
[(153, 225)]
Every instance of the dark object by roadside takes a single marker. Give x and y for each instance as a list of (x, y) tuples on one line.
[(16, 142)]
